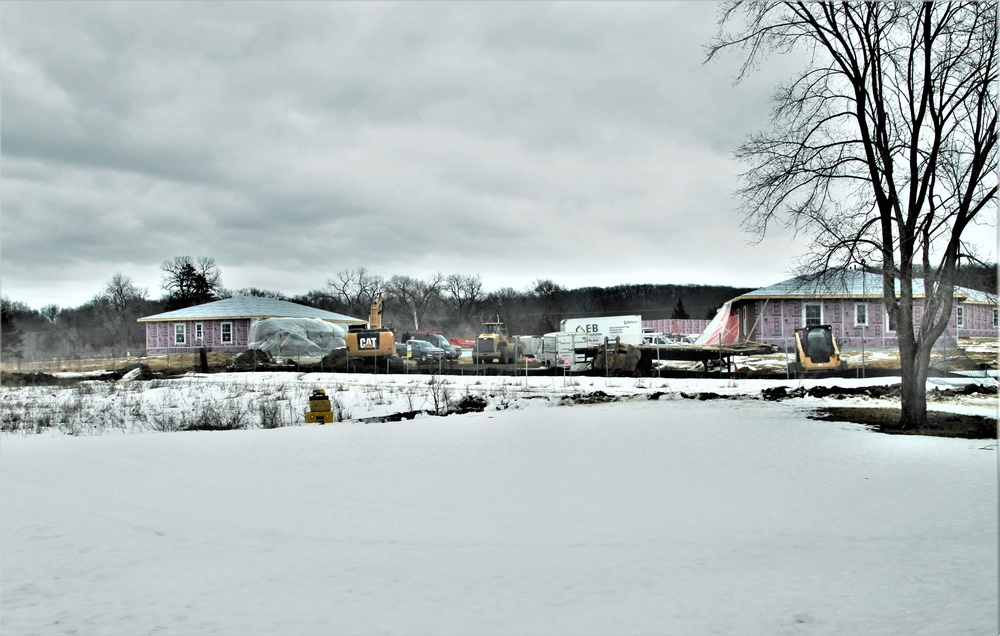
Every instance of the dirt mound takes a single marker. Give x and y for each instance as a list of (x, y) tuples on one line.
[(470, 404), (779, 393), (251, 359), (709, 395), (32, 379), (970, 389), (595, 397)]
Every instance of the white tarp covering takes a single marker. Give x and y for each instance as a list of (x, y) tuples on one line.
[(296, 337)]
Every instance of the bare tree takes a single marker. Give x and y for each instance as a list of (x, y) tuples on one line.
[(417, 297), (254, 292), (357, 289), (463, 296), (118, 306), (50, 312), (324, 298), (548, 298), (883, 148), (508, 304)]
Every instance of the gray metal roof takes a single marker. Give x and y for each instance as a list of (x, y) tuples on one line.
[(249, 307), (849, 283)]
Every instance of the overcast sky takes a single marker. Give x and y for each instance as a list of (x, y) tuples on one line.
[(585, 143)]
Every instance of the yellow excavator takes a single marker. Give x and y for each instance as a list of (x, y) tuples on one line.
[(816, 350), (372, 341)]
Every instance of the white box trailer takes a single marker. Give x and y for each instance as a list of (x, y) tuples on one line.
[(627, 328), (528, 346), (563, 349)]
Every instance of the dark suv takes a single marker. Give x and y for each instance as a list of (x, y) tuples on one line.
[(451, 352), (421, 350)]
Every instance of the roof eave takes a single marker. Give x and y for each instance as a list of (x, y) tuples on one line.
[(346, 321), (829, 297)]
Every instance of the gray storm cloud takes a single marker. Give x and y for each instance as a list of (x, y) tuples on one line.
[(585, 143)]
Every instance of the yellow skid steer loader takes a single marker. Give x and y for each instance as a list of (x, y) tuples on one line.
[(816, 350)]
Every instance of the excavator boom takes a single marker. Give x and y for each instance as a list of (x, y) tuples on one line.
[(373, 341)]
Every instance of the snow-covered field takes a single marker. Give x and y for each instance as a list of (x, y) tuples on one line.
[(667, 516)]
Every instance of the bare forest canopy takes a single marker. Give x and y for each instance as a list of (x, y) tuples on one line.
[(453, 304)]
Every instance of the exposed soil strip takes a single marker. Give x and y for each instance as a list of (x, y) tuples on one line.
[(886, 420)]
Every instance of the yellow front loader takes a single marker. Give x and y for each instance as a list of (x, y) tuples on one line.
[(494, 344)]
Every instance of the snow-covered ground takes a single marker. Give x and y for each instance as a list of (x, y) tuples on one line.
[(667, 516)]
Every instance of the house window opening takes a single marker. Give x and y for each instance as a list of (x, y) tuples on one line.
[(960, 316), (180, 334), (861, 314), (199, 332), (227, 332), (813, 314)]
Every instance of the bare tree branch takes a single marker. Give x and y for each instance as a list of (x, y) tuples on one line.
[(883, 149)]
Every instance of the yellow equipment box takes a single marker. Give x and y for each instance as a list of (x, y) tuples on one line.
[(319, 408)]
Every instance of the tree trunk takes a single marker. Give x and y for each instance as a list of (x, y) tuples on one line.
[(914, 356), (914, 362)]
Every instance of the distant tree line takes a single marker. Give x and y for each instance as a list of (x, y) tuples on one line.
[(453, 304), (106, 324), (457, 303)]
